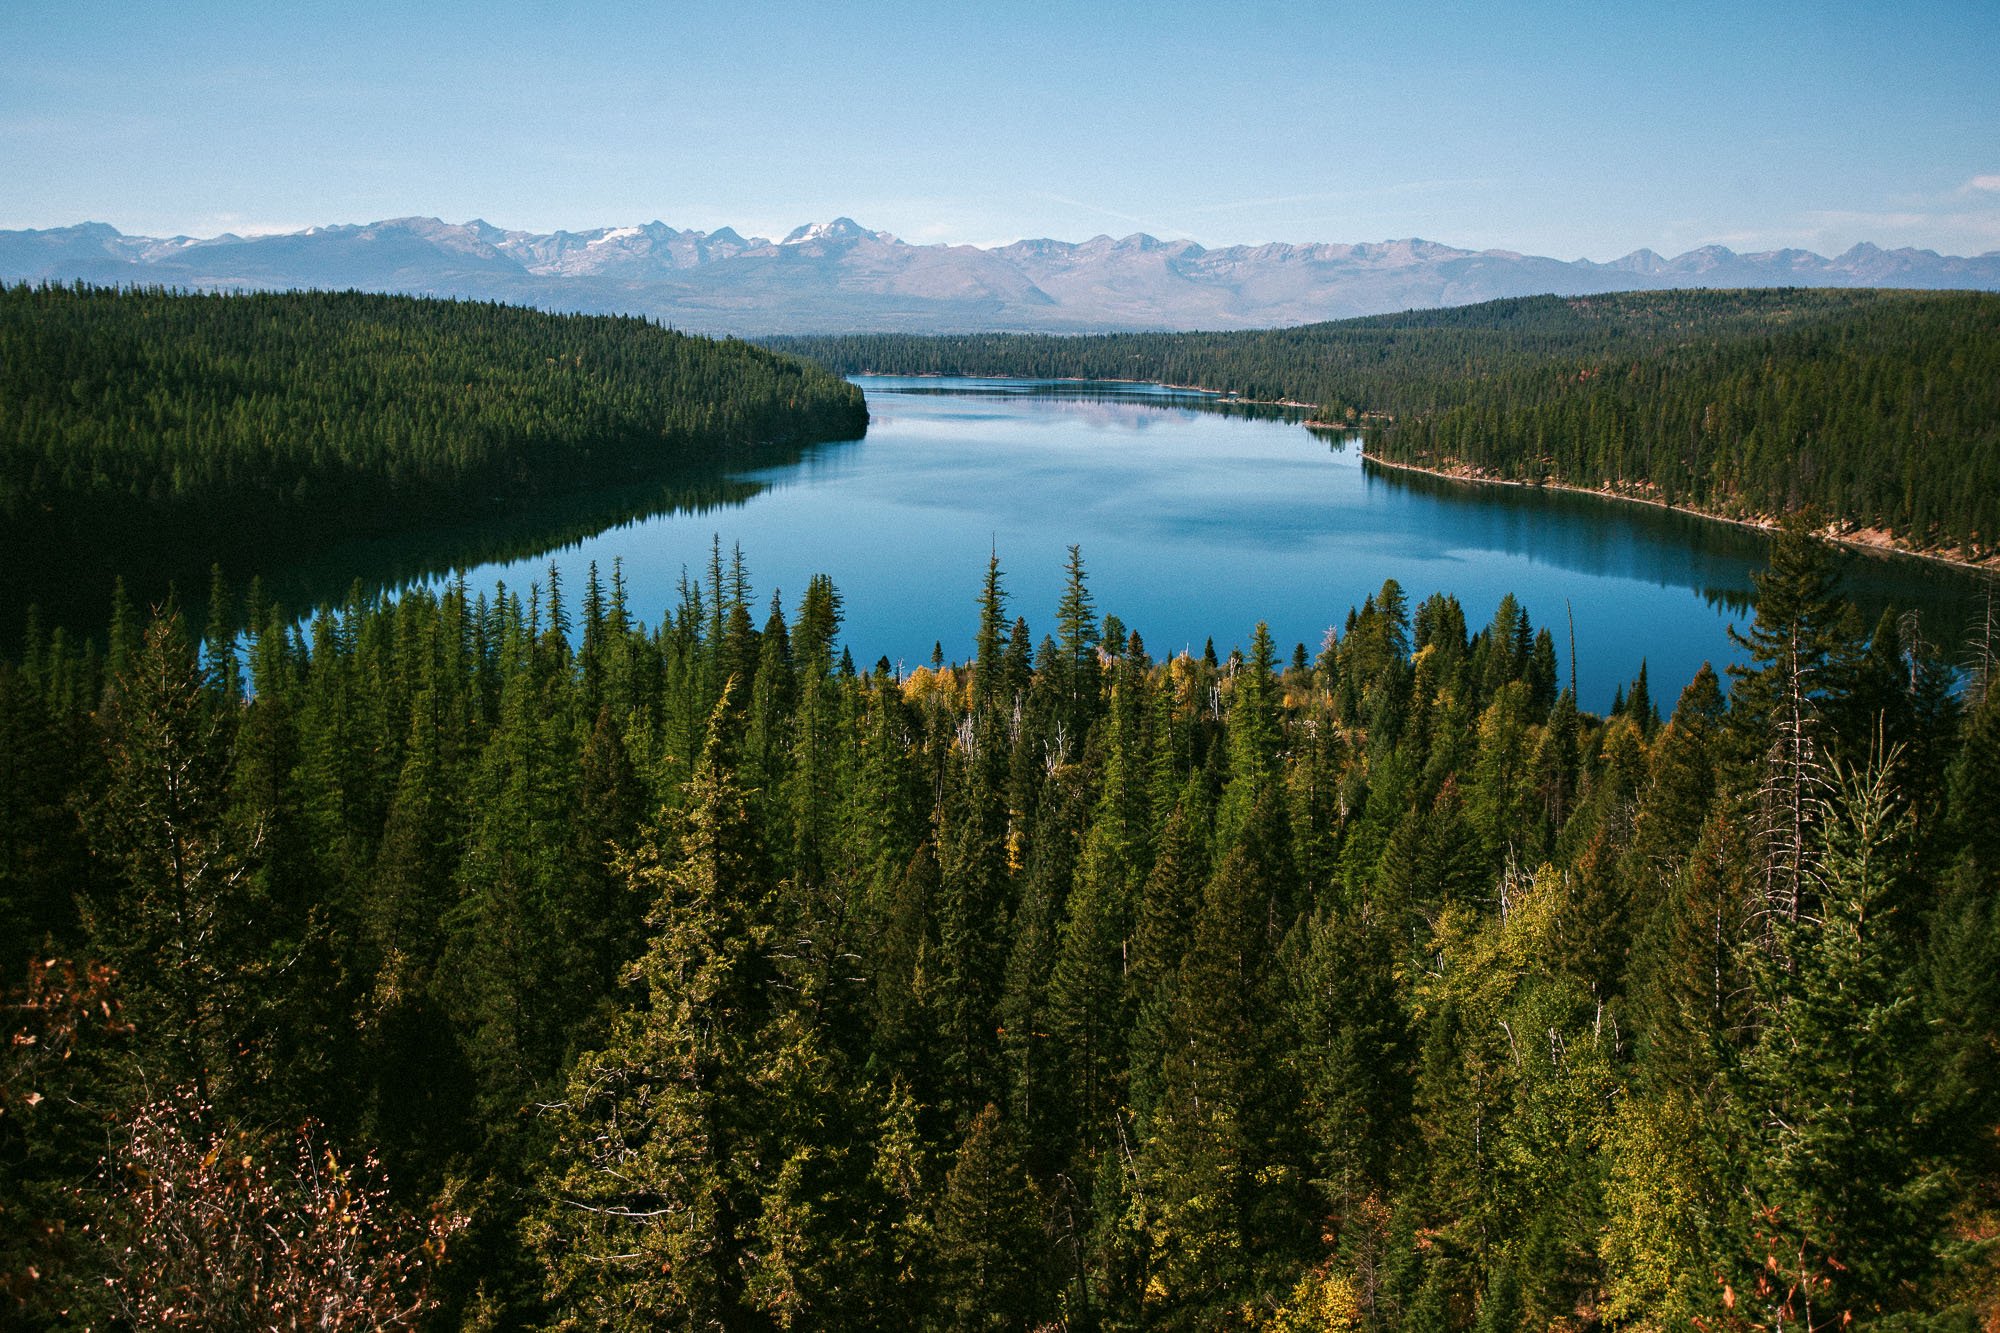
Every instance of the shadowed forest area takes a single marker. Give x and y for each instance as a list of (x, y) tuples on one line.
[(486, 958), (150, 433)]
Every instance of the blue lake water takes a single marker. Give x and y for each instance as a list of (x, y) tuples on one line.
[(1195, 521)]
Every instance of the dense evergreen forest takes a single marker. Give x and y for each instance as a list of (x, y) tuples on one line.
[(148, 428), (1880, 408), (493, 961)]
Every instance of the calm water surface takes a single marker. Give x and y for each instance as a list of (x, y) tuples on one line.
[(1195, 523)]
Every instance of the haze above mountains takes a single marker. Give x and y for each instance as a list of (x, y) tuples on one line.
[(841, 277)]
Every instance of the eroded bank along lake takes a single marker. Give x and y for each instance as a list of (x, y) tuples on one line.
[(1196, 519)]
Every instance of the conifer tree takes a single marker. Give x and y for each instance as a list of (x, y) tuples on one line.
[(219, 641), (1022, 1032), (516, 964), (610, 810), (1354, 1054), (1463, 1082), (1961, 996), (991, 1269), (975, 873), (175, 922), (1254, 739), (1501, 800), (768, 741), (412, 886), (1163, 924), (1505, 647), (993, 641), (883, 822), (44, 859), (1639, 703), (646, 1220), (817, 769), (1087, 995), (1221, 1158), (1077, 638), (1084, 1004), (1690, 986), (1685, 757), (420, 1088), (1846, 1204), (1800, 646)]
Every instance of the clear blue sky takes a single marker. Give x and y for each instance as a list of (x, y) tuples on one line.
[(1584, 129)]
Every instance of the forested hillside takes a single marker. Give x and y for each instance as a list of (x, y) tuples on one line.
[(1879, 408), (489, 960), (150, 426)]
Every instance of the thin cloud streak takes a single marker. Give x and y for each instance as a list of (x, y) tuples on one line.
[(1151, 228), (1338, 196)]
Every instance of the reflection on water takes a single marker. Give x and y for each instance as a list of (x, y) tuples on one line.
[(381, 563), (1197, 516), (1131, 398), (1673, 548), (391, 564), (1570, 530)]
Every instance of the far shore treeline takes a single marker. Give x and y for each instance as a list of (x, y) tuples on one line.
[(1881, 409), (149, 428)]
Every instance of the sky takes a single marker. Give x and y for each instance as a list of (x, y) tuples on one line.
[(1580, 130)]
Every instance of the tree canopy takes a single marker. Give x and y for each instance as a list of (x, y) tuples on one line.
[(140, 427), (1879, 408), (685, 976)]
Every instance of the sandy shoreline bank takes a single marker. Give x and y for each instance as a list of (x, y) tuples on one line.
[(1871, 541)]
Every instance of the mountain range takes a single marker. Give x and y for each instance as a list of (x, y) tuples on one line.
[(841, 277)]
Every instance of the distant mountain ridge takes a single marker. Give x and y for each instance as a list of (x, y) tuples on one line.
[(839, 276)]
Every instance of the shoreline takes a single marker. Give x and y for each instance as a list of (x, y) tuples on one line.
[(1220, 395), (1878, 543)]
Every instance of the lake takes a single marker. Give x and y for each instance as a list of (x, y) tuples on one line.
[(1196, 518)]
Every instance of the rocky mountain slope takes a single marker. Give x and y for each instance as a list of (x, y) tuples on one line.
[(839, 276)]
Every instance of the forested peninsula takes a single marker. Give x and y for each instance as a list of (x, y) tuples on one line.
[(487, 959), (148, 428), (1878, 409)]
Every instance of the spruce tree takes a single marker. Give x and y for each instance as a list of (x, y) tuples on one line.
[(1254, 739), (1354, 1055), (1847, 1204), (1222, 1157), (176, 920), (991, 1272), (647, 1215)]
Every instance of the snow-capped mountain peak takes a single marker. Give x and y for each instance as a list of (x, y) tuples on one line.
[(840, 229), (839, 276)]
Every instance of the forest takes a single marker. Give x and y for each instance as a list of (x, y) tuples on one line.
[(489, 959), (146, 429), (1879, 408)]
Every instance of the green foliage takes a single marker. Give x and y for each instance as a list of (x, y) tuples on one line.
[(724, 987), (137, 426), (989, 1271), (1879, 408), (1847, 1200), (178, 924)]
